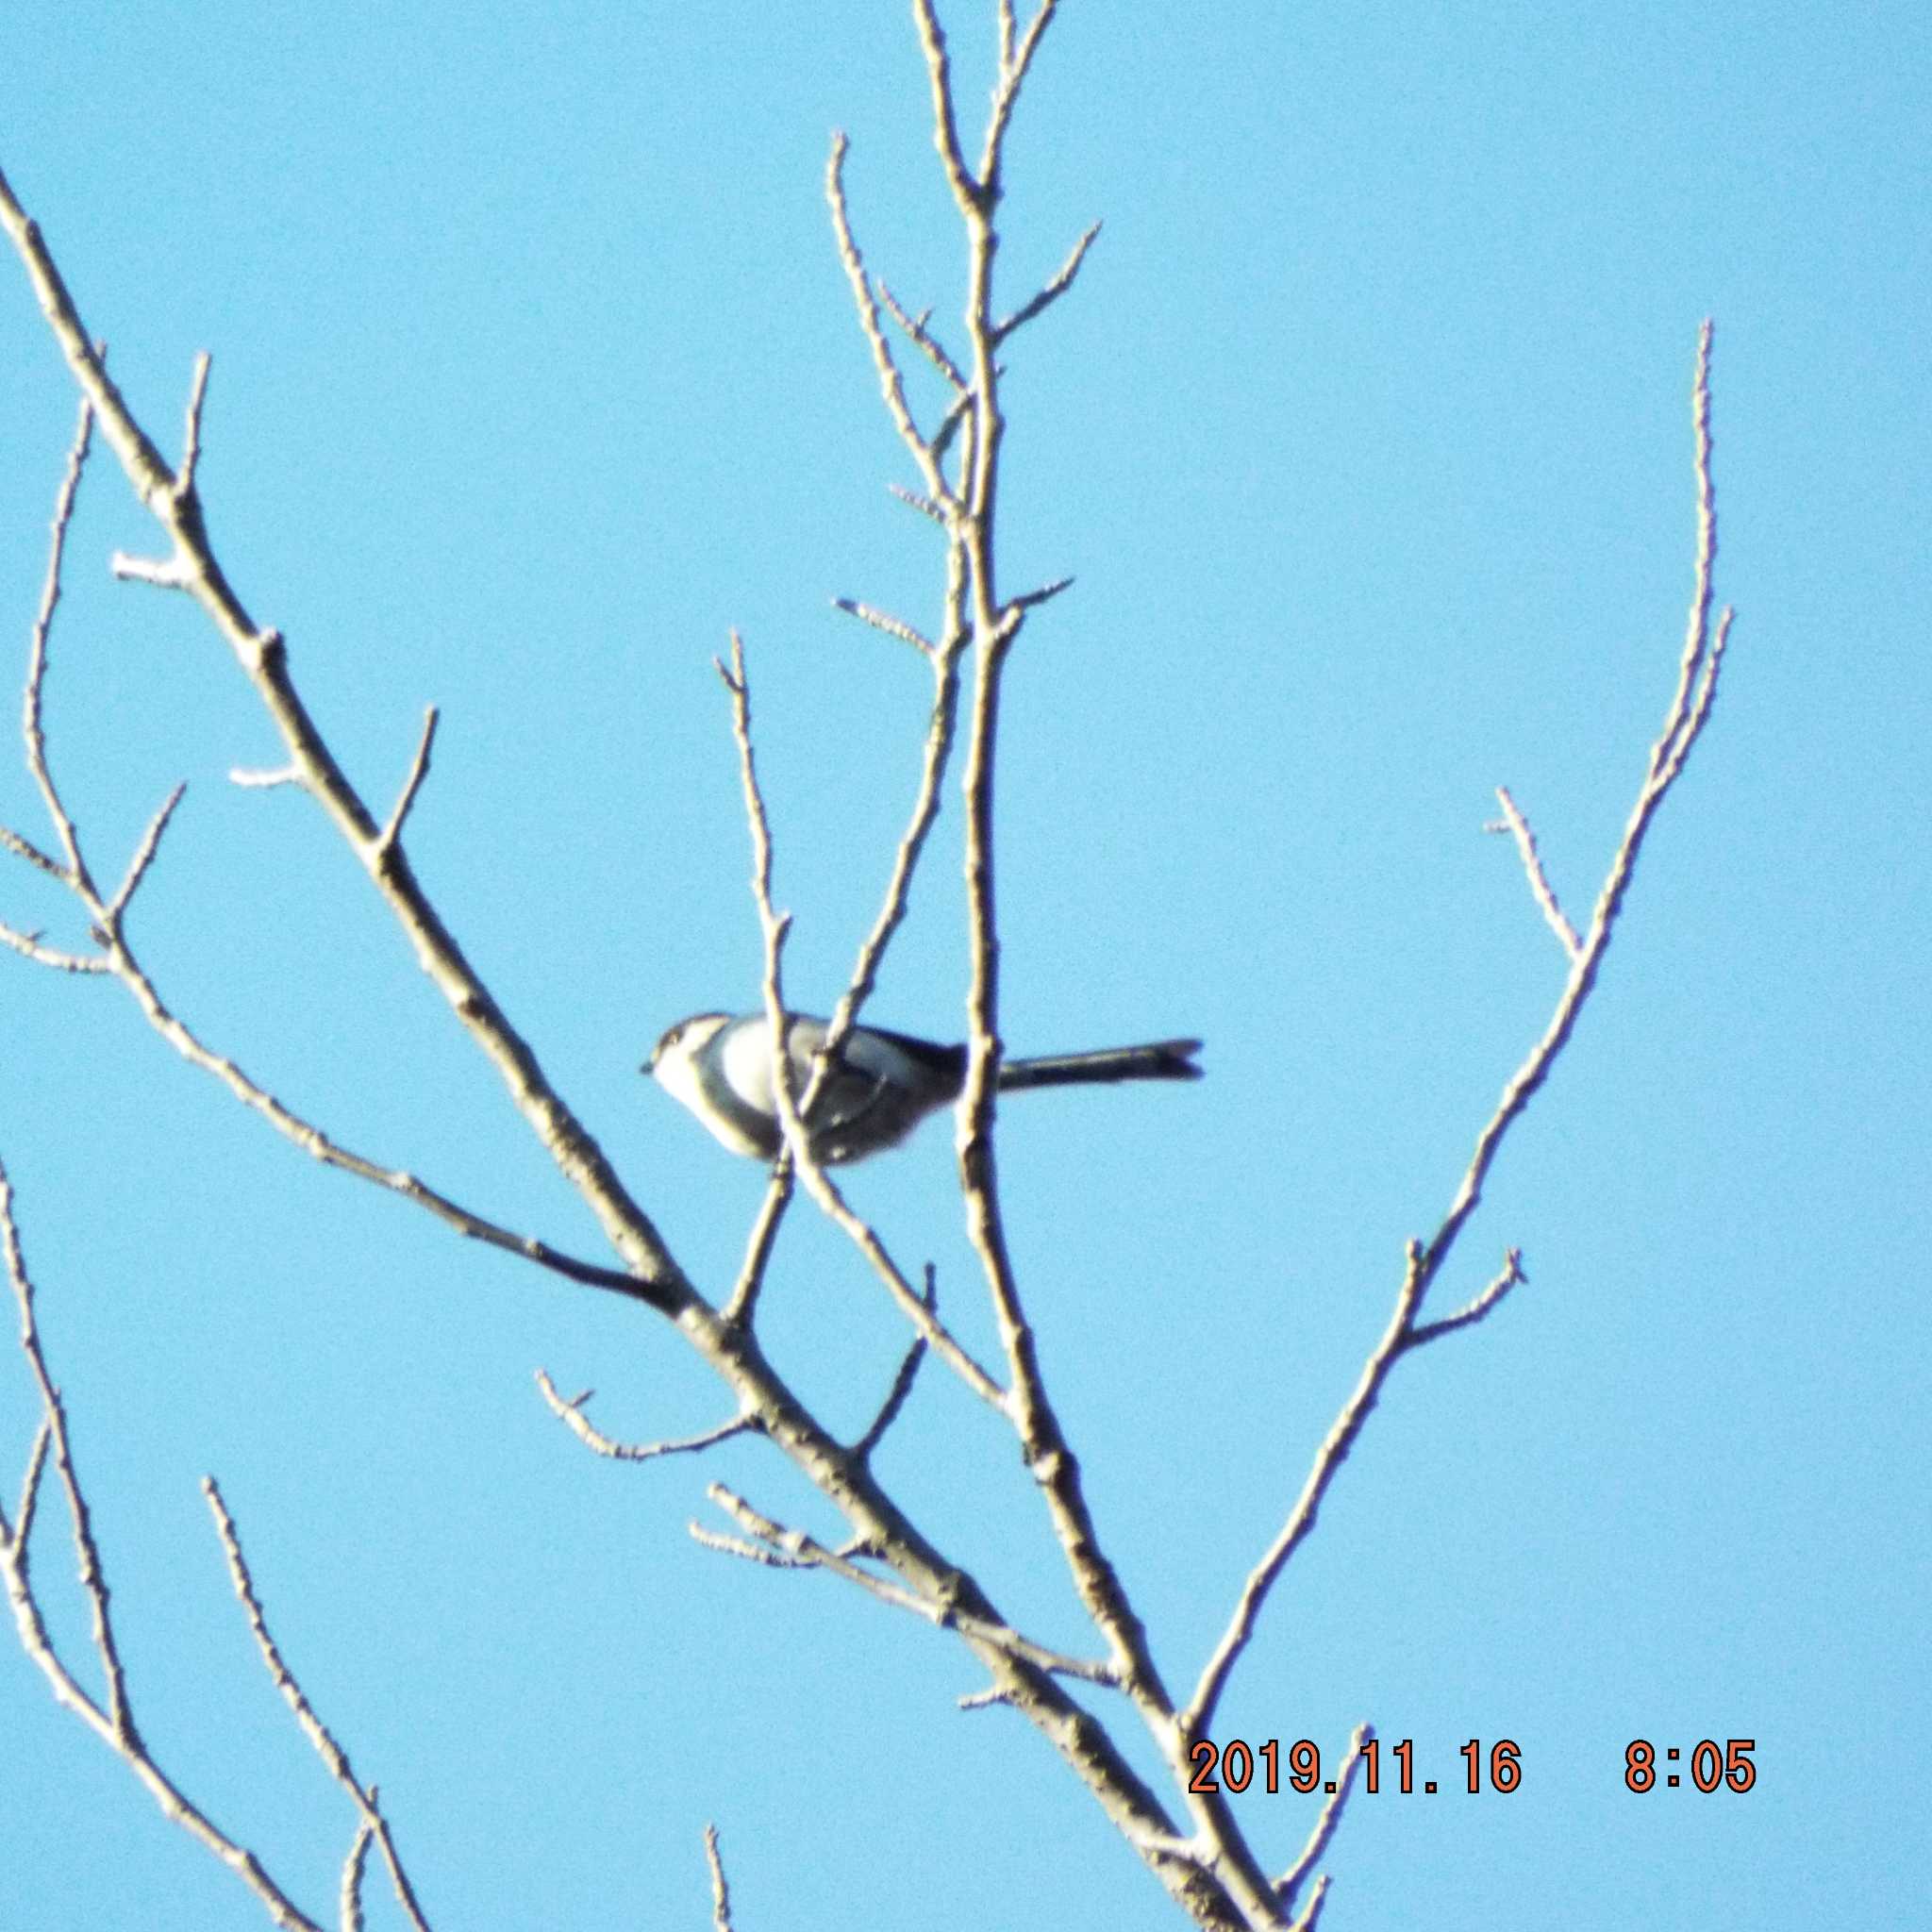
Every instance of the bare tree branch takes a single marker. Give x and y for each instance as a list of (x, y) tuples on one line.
[(107, 918), (349, 1896), (1031, 600), (1014, 67), (31, 728), (262, 654), (880, 620), (1295, 1876), (28, 946), (1312, 1917), (793, 1549), (797, 1143), (317, 1733), (267, 781), (1063, 281), (901, 1390), (114, 1727), (191, 439), (144, 855), (419, 770), (1506, 1277), (29, 1497), (1212, 1873), (21, 847), (892, 384), (918, 330), (572, 1415), (721, 1891), (945, 126), (1683, 721), (731, 1349), (1516, 825), (925, 506), (1198, 1718)]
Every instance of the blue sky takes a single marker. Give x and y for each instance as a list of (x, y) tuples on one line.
[(1366, 436)]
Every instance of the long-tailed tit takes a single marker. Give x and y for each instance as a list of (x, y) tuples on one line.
[(878, 1087)]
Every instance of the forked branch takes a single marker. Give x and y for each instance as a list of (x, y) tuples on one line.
[(1683, 721)]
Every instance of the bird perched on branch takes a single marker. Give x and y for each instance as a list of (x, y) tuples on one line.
[(877, 1087)]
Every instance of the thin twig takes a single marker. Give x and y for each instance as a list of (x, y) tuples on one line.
[(332, 1755), (918, 330), (121, 961), (161, 573), (190, 439), (721, 1891), (1697, 626), (571, 1413), (797, 1142), (741, 1305), (1516, 825), (1031, 600), (1506, 1277), (349, 1893), (958, 414), (28, 946), (125, 1736), (1054, 290), (143, 855), (31, 728), (892, 384), (1197, 1720), (925, 505), (880, 620), (22, 1533), (737, 1546), (1683, 722), (1006, 97), (419, 770), (941, 729), (902, 1383), (793, 1549), (25, 848), (1295, 1876), (1700, 709), (125, 967), (1311, 1918), (944, 123), (266, 781), (115, 1726)]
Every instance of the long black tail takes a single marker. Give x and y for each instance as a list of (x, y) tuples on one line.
[(1165, 1059)]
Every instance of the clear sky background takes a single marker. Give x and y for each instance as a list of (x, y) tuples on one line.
[(1366, 434)]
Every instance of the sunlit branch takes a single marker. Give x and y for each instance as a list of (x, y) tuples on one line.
[(721, 1891), (332, 1755), (901, 1390), (571, 1413), (797, 1143), (781, 1547), (1518, 828), (114, 1727), (1054, 290), (1683, 722), (1296, 1876)]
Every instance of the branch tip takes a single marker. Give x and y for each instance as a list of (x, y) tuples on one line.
[(388, 838)]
